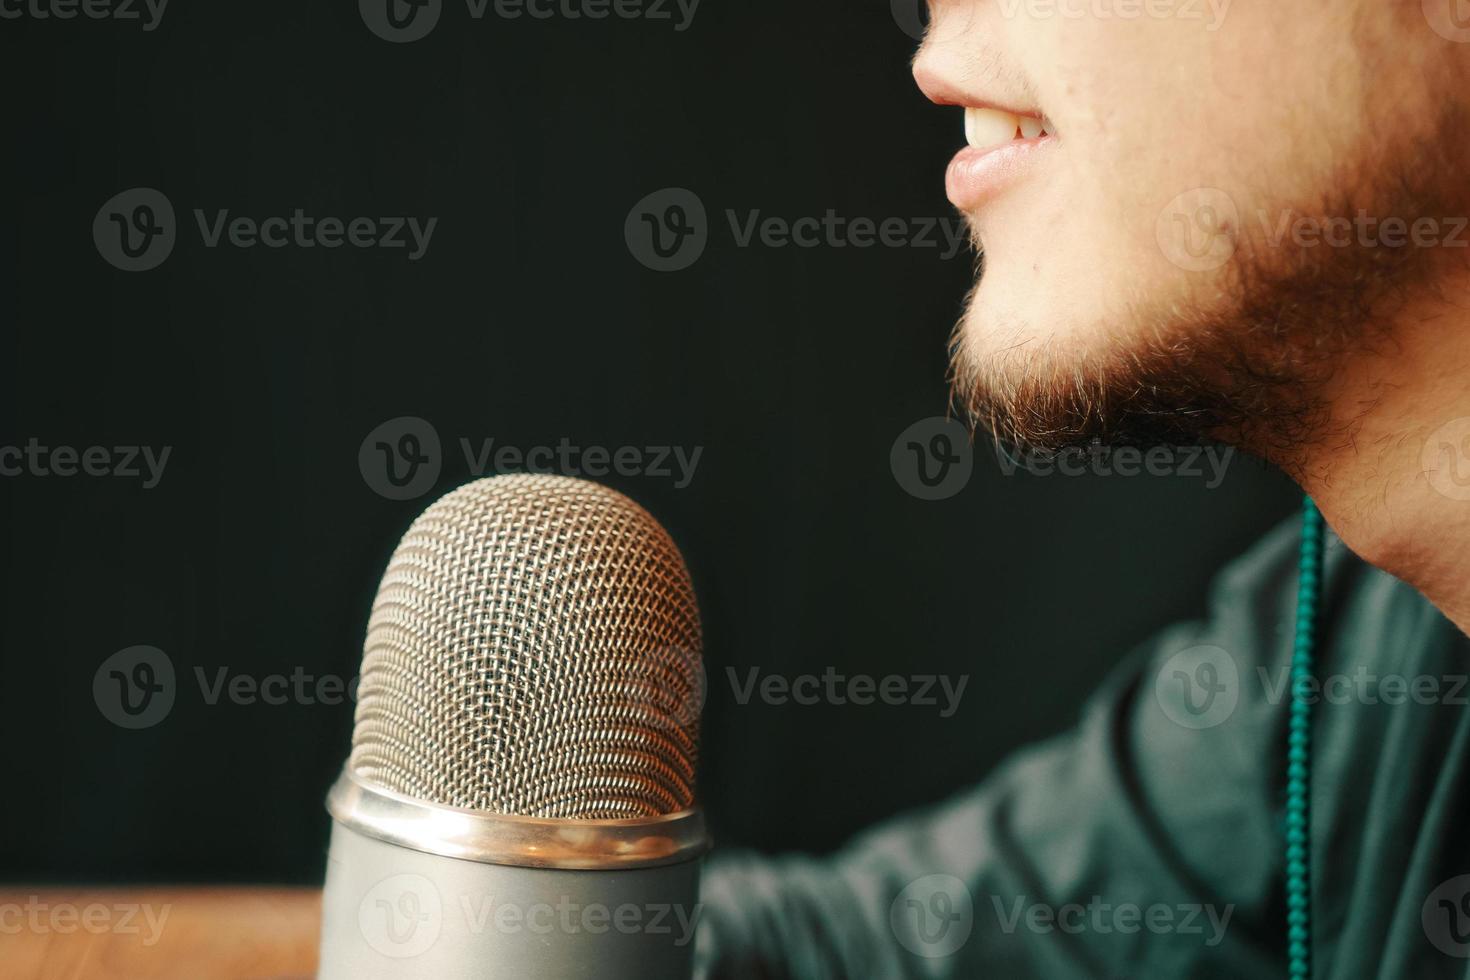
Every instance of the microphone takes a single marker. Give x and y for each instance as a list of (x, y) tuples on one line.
[(519, 799)]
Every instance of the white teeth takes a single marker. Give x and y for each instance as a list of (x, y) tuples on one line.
[(989, 127), (985, 128)]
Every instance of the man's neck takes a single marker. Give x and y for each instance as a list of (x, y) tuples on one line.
[(1393, 480)]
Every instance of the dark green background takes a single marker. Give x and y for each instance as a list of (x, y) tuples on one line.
[(528, 321)]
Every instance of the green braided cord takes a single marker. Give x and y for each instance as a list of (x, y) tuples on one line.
[(1299, 751)]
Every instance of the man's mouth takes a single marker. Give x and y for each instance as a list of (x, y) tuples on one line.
[(1001, 145)]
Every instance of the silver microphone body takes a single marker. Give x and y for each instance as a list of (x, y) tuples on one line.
[(519, 801)]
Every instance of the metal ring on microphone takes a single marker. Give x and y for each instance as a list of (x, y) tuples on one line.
[(523, 842)]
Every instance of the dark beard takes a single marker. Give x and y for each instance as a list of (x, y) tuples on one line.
[(1253, 374)]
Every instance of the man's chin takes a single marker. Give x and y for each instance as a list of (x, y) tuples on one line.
[(1020, 333), (1248, 366), (1022, 363), (1045, 371)]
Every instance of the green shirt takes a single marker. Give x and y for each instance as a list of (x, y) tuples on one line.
[(1147, 842)]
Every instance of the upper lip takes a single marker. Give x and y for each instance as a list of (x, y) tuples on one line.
[(941, 90)]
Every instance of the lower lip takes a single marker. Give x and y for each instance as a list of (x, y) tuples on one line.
[(976, 175)]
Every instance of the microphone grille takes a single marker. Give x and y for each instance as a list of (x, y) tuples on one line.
[(534, 649)]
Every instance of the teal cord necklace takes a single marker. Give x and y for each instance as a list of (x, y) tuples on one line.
[(1299, 751)]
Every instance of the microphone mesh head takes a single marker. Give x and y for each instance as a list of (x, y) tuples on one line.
[(534, 649)]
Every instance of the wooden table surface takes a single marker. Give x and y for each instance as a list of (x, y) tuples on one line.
[(54, 933)]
